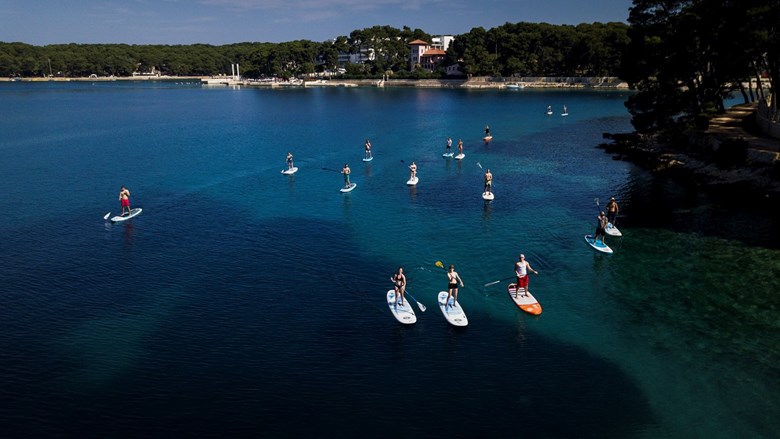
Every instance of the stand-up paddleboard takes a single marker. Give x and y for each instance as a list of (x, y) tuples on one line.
[(412, 181), (349, 188), (564, 114), (453, 312), (290, 171), (524, 300), (488, 196), (368, 159), (448, 154), (598, 245), (487, 138), (133, 212), (549, 112), (612, 230), (460, 156), (404, 314)]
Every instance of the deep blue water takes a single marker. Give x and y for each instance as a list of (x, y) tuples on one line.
[(247, 303)]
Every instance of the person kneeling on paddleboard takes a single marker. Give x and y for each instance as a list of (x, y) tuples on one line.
[(399, 281), (522, 267)]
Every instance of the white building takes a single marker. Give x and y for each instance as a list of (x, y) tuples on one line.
[(442, 42)]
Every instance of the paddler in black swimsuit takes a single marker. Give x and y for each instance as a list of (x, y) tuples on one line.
[(452, 286), (399, 282)]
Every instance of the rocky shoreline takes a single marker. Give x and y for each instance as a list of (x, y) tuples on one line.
[(729, 156)]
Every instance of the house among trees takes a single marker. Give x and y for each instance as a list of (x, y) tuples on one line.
[(428, 56)]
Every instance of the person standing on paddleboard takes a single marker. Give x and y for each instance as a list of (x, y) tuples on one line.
[(452, 285), (368, 149), (612, 211), (124, 200), (487, 131), (289, 160), (601, 225), (413, 170), (488, 182), (399, 281), (449, 145), (346, 171), (460, 146), (522, 267)]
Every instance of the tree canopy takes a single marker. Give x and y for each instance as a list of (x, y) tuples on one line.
[(522, 48), (541, 49), (687, 56)]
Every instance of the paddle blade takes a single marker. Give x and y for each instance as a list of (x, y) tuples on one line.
[(491, 283), (439, 264), (107, 215), (422, 307), (480, 166)]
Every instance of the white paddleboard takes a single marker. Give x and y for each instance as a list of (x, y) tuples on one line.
[(349, 188), (133, 212), (460, 156), (600, 246), (448, 154), (564, 114), (368, 159), (612, 230), (404, 314), (453, 313), (549, 113), (412, 181), (290, 171), (524, 300), (489, 196)]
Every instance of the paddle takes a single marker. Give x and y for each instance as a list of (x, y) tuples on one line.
[(422, 307), (107, 215), (331, 170), (480, 166), (497, 281)]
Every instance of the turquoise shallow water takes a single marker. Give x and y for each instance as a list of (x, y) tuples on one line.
[(245, 302)]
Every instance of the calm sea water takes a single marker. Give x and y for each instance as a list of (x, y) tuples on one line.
[(247, 303)]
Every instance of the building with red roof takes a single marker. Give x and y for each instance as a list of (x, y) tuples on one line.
[(427, 56)]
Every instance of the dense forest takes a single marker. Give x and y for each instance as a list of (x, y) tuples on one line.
[(523, 48), (686, 56)]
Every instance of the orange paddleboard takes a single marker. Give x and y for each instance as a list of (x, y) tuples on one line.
[(524, 300)]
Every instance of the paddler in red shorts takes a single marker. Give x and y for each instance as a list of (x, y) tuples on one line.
[(522, 267), (124, 200)]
